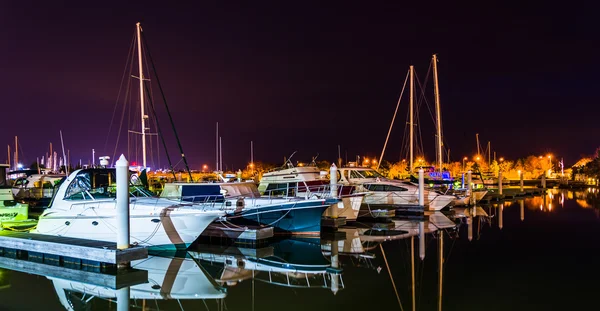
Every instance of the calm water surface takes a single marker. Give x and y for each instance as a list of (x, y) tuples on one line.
[(536, 254)]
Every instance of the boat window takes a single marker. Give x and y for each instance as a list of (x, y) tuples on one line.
[(89, 185), (21, 182), (380, 187), (371, 174), (355, 174), (276, 189), (77, 189)]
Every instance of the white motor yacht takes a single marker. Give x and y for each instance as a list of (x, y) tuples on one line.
[(84, 206)]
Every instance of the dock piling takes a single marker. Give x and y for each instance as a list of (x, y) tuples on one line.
[(333, 188), (521, 180), (470, 189), (544, 181), (123, 298), (500, 182), (122, 178), (421, 188)]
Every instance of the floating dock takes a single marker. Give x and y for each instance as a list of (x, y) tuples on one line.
[(237, 235), (332, 223), (65, 249)]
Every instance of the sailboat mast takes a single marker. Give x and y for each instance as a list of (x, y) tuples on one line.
[(438, 112), (489, 154), (16, 153), (411, 124), (477, 138), (141, 77), (217, 148)]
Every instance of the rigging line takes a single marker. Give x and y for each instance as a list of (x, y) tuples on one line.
[(424, 98), (391, 277), (127, 94), (393, 119), (167, 107), (154, 120), (162, 138), (119, 93)]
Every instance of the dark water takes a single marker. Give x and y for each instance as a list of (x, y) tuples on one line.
[(545, 261)]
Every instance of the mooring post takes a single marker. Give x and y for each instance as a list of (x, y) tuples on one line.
[(500, 182), (333, 187), (421, 188), (123, 298), (122, 168), (521, 177), (544, 181), (421, 237), (470, 189)]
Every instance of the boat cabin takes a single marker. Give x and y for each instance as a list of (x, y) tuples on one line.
[(97, 183), (299, 181), (209, 192)]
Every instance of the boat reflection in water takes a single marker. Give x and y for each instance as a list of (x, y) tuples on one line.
[(169, 278), (295, 263)]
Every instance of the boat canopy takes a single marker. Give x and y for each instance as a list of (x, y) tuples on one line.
[(91, 184)]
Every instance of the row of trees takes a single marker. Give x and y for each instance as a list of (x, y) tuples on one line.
[(589, 166)]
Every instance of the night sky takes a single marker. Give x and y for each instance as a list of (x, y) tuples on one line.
[(304, 76)]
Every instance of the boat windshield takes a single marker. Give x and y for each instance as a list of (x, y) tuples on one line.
[(101, 184), (370, 174)]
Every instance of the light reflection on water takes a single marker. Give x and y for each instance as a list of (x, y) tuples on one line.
[(510, 255)]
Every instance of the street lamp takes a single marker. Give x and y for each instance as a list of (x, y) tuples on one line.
[(501, 159), (204, 168), (464, 159)]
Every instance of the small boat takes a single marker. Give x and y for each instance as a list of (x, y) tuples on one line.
[(382, 191), (11, 211), (36, 189), (308, 181), (244, 205), (84, 206)]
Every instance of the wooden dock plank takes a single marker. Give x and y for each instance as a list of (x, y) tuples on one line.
[(100, 251)]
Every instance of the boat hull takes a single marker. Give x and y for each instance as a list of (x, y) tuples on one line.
[(169, 229), (433, 200), (297, 217)]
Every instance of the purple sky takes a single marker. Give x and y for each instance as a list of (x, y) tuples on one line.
[(303, 76)]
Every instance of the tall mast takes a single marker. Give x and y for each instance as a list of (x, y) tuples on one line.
[(438, 112), (220, 154), (8, 160), (477, 137), (217, 148), (141, 72), (16, 153), (489, 153), (411, 124)]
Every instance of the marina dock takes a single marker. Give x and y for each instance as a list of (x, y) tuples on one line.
[(66, 249)]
